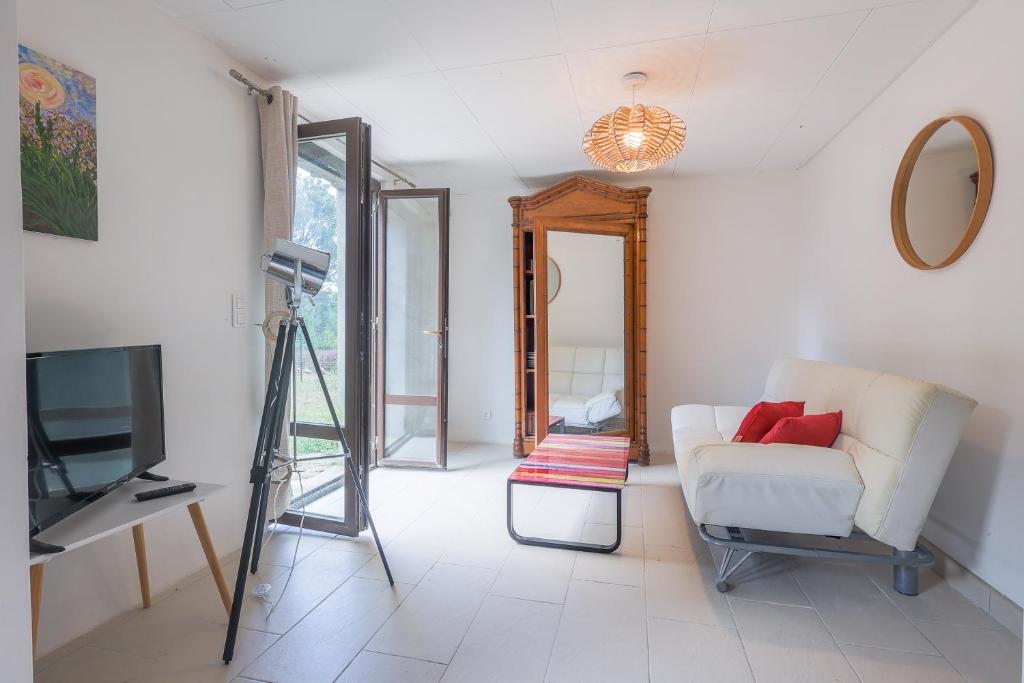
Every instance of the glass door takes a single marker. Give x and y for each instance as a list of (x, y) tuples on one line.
[(332, 214), (412, 329)]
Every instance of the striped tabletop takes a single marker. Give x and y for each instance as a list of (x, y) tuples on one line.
[(577, 460)]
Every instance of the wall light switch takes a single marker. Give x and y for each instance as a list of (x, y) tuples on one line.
[(239, 310), (486, 415)]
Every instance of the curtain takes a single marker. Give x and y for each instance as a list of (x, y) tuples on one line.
[(279, 139)]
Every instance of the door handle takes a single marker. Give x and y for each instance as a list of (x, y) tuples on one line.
[(436, 333)]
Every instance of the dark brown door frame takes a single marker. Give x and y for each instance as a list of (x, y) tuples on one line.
[(358, 301), (382, 399)]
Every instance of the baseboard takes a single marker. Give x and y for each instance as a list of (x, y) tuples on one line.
[(974, 588)]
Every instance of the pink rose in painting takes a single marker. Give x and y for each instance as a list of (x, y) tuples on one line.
[(39, 85)]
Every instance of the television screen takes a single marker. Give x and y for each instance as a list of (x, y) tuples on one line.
[(95, 421)]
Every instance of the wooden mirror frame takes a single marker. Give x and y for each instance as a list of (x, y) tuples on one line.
[(898, 210)]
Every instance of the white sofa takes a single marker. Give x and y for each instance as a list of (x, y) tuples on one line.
[(585, 384), (881, 474)]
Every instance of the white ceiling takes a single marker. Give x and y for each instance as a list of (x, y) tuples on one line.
[(499, 92)]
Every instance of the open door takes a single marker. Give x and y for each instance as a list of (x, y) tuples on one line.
[(412, 329), (332, 215)]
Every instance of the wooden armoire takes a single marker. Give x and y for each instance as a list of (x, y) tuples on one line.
[(577, 205)]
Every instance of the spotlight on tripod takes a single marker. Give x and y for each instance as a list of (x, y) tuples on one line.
[(303, 271)]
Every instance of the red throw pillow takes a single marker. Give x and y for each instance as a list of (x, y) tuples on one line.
[(763, 417), (809, 430)]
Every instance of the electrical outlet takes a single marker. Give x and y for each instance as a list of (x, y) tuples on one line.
[(239, 310), (486, 415)]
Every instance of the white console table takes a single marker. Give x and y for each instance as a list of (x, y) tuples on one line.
[(117, 511)]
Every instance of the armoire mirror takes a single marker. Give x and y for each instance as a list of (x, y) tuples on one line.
[(586, 332), (942, 192), (580, 351)]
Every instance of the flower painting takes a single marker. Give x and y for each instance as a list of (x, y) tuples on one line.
[(58, 147)]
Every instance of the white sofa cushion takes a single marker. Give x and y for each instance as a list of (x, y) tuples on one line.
[(779, 487)]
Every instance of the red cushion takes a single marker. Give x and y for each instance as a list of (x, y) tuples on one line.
[(809, 430), (763, 417)]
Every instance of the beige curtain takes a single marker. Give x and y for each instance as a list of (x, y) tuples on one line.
[(279, 137), (279, 140)]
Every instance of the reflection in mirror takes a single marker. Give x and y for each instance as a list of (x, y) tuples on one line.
[(586, 334), (942, 193), (554, 279)]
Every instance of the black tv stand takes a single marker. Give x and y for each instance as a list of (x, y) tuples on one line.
[(40, 548), (149, 476)]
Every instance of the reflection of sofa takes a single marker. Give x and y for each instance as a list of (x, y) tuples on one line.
[(585, 384)]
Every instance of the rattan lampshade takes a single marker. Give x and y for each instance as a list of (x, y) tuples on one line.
[(636, 138)]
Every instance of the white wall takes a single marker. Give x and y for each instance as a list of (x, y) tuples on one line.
[(480, 354), (179, 231), (962, 326), (722, 290), (15, 632), (589, 309)]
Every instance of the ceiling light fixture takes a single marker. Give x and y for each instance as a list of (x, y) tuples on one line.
[(636, 138)]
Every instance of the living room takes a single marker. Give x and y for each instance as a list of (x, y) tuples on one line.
[(544, 320)]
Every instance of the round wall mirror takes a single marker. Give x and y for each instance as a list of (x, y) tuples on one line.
[(942, 192), (554, 279)]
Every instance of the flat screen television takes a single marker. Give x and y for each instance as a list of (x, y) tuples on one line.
[(95, 421)]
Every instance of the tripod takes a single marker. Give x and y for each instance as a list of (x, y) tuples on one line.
[(268, 444)]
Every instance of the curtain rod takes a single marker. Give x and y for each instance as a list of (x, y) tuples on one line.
[(270, 98)]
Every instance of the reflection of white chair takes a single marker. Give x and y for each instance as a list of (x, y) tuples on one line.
[(585, 384)]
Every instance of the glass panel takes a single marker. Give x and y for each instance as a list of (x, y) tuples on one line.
[(586, 333), (410, 432), (412, 328), (320, 223)]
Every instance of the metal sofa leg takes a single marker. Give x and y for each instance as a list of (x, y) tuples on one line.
[(904, 578)]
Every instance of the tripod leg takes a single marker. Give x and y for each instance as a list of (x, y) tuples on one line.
[(280, 410), (258, 478), (345, 449), (369, 520)]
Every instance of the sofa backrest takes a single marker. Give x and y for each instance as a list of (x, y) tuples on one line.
[(585, 370), (900, 432)]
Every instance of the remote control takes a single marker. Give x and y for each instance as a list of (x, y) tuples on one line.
[(166, 491)]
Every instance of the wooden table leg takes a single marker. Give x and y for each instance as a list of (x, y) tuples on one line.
[(139, 536), (199, 522), (35, 574)]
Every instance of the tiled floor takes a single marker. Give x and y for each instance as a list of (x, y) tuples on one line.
[(472, 606)]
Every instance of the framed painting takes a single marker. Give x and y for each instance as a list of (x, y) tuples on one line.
[(58, 147)]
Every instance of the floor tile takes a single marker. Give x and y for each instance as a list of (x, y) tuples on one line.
[(320, 646), (602, 635), (884, 666), (785, 644), (509, 642), (981, 655), (856, 611), (535, 573), (937, 600), (95, 664), (432, 621), (681, 587), (312, 580), (373, 667), (624, 566), (407, 565), (602, 505), (693, 653), (764, 578)]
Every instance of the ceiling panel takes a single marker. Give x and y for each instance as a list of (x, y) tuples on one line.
[(779, 56), (411, 103), (341, 42), (257, 52), (183, 8), (324, 103), (671, 68), (731, 133), (460, 33), (885, 45), (589, 24), (731, 14)]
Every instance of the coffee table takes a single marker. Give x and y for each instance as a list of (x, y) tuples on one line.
[(574, 461), (556, 423)]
